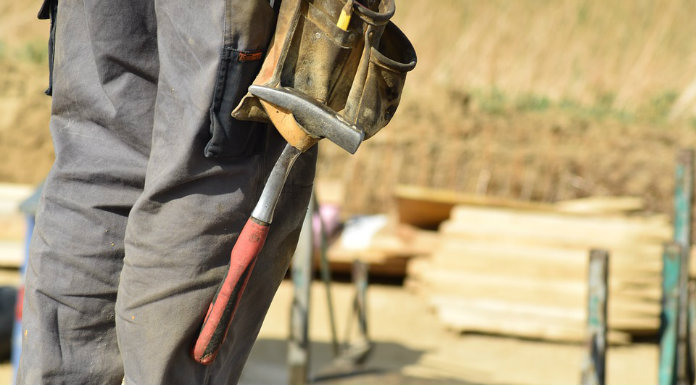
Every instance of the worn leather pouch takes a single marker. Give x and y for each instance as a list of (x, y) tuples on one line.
[(358, 72)]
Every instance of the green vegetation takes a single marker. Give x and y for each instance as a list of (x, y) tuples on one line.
[(618, 59), (495, 102), (492, 101), (659, 106), (531, 102), (35, 52)]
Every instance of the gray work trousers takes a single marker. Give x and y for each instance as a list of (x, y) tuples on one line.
[(152, 182)]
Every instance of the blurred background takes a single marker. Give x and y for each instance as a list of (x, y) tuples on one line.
[(530, 132)]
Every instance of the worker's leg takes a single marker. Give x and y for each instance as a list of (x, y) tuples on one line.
[(182, 228), (103, 100)]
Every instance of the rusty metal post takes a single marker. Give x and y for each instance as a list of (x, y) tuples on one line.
[(683, 206), (298, 341), (683, 197), (360, 279), (356, 353), (692, 323), (593, 371), (325, 272), (671, 267), (682, 358)]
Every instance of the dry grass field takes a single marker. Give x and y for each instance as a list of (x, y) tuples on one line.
[(627, 55), (536, 100)]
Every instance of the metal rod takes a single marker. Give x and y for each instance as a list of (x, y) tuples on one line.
[(682, 374), (593, 372), (360, 278), (326, 276), (683, 204), (668, 316), (299, 343), (692, 323), (683, 197)]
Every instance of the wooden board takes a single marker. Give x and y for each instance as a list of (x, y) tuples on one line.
[(556, 230), (11, 254), (427, 207), (505, 322), (11, 195), (523, 271), (601, 205)]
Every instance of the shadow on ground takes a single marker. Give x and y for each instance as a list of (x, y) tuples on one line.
[(267, 365)]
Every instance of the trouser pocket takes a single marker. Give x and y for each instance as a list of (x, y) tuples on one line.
[(231, 137), (49, 10)]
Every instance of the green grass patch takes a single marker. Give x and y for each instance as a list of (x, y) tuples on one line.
[(495, 101), (531, 102), (602, 108), (657, 108), (492, 101), (35, 52)]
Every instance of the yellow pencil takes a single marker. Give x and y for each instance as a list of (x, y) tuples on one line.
[(346, 13)]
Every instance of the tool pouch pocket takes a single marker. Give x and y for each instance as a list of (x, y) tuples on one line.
[(231, 137), (310, 54), (386, 75), (49, 10), (322, 58)]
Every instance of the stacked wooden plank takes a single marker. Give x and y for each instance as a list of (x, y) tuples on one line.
[(523, 272), (12, 224)]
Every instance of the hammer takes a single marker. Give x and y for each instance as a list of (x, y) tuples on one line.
[(302, 121)]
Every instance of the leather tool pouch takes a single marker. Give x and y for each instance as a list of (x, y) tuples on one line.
[(358, 72)]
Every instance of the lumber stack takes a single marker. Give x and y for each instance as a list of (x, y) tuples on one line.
[(12, 224), (523, 272)]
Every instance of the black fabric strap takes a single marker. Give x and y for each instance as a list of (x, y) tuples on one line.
[(276, 5)]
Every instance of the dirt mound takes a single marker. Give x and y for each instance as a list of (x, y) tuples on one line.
[(527, 156)]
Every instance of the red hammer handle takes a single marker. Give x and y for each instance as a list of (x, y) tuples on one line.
[(222, 308)]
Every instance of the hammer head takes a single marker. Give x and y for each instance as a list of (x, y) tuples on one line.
[(316, 119)]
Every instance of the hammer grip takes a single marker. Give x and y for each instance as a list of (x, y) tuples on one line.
[(222, 308)]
